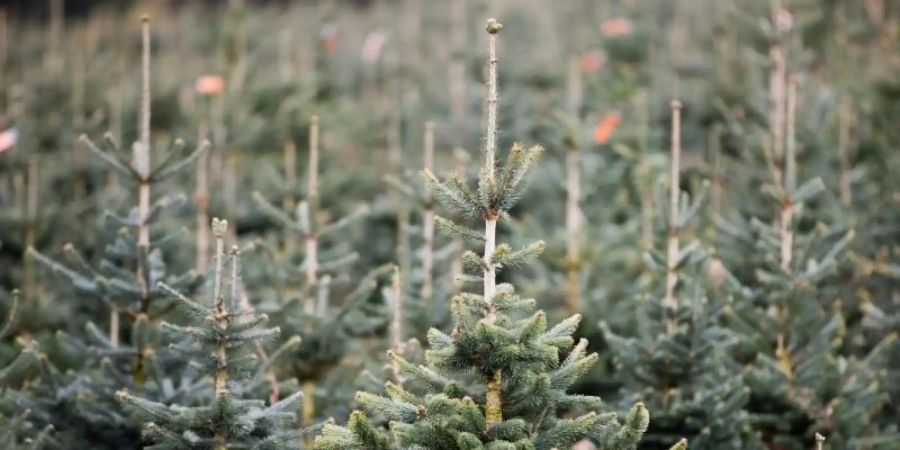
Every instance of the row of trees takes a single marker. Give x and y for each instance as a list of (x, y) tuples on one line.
[(728, 301)]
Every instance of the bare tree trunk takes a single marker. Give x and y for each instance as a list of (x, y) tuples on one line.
[(494, 383), (220, 380), (790, 177), (30, 227), (573, 195), (845, 122), (427, 288), (141, 165), (671, 302), (290, 180), (201, 198)]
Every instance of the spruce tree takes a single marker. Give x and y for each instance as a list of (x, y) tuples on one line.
[(306, 305), (496, 381), (792, 331), (220, 341), (81, 404), (424, 290), (677, 359)]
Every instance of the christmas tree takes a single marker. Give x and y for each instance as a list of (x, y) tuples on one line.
[(495, 381)]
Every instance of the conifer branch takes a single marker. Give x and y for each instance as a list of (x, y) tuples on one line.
[(458, 232)]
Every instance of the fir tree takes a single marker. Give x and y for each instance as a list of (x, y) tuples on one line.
[(676, 359), (789, 319), (496, 381), (306, 307), (124, 281), (220, 341)]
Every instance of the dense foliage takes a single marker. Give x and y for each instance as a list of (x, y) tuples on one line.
[(713, 182)]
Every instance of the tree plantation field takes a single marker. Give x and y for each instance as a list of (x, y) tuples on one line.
[(450, 225)]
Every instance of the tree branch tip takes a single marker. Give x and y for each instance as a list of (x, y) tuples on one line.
[(493, 26)]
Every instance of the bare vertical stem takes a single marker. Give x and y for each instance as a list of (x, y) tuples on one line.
[(490, 273), (785, 222), (238, 66), (397, 316), (53, 56), (313, 175), (790, 180), (78, 118), (427, 287), (30, 226), (490, 148), (643, 174), (231, 188), (141, 161), (290, 181), (820, 442), (220, 229), (845, 120), (573, 195), (312, 247), (776, 86), (493, 383), (201, 198), (395, 152), (670, 302), (715, 146), (114, 328)]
